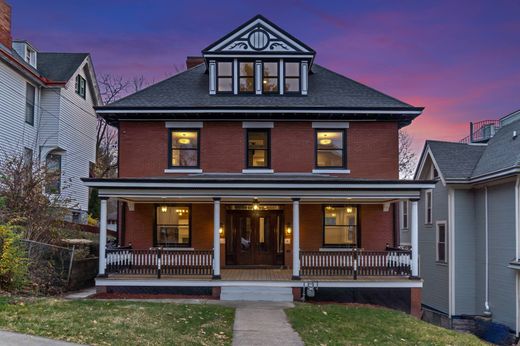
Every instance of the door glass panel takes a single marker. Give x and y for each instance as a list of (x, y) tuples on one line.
[(261, 230), (245, 235)]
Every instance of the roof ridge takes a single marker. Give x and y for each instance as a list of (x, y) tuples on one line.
[(156, 84), (364, 85)]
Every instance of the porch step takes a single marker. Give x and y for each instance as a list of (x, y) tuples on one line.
[(257, 293)]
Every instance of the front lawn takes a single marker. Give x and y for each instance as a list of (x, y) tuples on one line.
[(363, 325), (119, 322)]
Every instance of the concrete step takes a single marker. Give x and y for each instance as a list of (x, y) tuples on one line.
[(256, 293)]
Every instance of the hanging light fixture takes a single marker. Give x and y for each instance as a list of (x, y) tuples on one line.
[(349, 210), (184, 141), (164, 209), (256, 204)]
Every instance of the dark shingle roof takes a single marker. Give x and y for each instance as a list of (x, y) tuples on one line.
[(455, 160), (59, 66), (467, 161), (502, 151), (327, 89)]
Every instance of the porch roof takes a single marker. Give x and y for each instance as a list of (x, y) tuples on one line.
[(276, 186)]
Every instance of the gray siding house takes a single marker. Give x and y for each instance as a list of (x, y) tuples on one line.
[(469, 227)]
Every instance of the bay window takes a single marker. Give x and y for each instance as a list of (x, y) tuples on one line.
[(330, 148), (340, 226), (184, 148), (173, 227)]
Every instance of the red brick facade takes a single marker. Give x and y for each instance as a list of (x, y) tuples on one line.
[(372, 148)]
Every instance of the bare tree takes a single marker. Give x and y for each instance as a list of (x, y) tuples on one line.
[(407, 157)]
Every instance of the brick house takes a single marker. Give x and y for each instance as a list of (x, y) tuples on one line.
[(258, 171)]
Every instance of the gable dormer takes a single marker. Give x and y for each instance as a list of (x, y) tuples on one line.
[(27, 52), (258, 58)]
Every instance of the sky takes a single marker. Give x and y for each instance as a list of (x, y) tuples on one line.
[(458, 59)]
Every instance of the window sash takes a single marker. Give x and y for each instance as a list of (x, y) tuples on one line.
[(428, 217), (174, 228), (252, 149), (226, 78), (270, 79), (292, 77), (331, 150), (441, 245), (174, 148), (348, 232)]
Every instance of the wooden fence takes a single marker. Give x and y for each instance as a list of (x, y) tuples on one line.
[(355, 263), (157, 261)]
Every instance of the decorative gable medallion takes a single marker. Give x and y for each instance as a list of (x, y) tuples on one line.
[(258, 36)]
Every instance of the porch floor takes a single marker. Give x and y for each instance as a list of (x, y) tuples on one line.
[(258, 275)]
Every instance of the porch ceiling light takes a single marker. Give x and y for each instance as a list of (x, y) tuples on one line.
[(164, 209), (256, 205), (349, 210)]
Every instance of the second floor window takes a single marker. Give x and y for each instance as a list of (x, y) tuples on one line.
[(30, 97), (270, 80), (184, 150), (258, 148), (292, 77), (330, 149), (81, 86), (225, 77), (246, 72), (428, 204)]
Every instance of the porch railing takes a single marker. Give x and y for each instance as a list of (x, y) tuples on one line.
[(355, 263), (158, 261)]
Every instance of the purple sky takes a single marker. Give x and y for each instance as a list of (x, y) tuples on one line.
[(459, 59)]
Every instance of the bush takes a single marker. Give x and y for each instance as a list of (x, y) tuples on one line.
[(13, 262)]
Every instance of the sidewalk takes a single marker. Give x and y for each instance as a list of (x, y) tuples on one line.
[(263, 323), (11, 338)]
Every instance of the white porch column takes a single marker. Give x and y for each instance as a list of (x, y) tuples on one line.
[(216, 238), (102, 236), (414, 230), (296, 239)]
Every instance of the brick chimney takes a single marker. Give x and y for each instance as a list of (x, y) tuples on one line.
[(192, 61), (5, 25)]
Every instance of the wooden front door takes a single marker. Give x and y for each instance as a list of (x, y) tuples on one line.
[(254, 237)]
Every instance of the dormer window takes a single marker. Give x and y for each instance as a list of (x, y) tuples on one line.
[(225, 77), (270, 80), (81, 86), (292, 77), (246, 72)]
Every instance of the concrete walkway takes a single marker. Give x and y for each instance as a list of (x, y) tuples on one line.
[(11, 338), (263, 323), (82, 294)]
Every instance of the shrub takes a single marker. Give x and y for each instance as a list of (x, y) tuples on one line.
[(13, 261)]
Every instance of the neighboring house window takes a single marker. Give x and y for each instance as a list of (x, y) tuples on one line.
[(428, 206), (404, 222), (225, 77), (76, 217), (173, 226), (53, 165), (81, 86), (330, 149), (292, 77), (340, 226), (441, 242), (246, 73), (258, 148), (270, 81), (184, 148), (28, 157), (30, 97)]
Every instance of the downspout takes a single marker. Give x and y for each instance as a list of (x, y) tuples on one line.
[(487, 312)]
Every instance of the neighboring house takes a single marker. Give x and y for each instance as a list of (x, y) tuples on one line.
[(469, 227), (46, 111), (257, 157)]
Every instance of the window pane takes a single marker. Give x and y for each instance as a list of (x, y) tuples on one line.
[(330, 158), (292, 69), (257, 158), (270, 85), (340, 225), (246, 69), (185, 139), (184, 158), (53, 165), (247, 84), (441, 252), (442, 234), (224, 69), (292, 84), (257, 139), (330, 139), (341, 216), (270, 69), (225, 84), (173, 225), (340, 235), (30, 96)]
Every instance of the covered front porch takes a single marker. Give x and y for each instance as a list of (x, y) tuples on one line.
[(277, 229)]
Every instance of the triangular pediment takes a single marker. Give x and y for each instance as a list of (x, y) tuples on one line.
[(258, 36)]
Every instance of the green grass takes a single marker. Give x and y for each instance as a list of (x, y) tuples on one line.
[(119, 322), (364, 325)]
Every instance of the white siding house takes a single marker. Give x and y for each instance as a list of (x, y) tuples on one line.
[(44, 111)]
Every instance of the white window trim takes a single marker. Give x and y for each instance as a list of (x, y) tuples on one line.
[(426, 221), (446, 259), (257, 171), (339, 171), (183, 170), (184, 124)]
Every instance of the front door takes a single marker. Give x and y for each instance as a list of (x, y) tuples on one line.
[(254, 237)]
